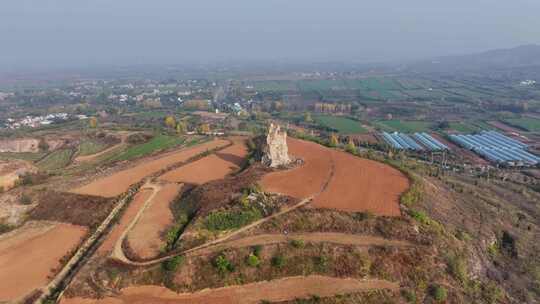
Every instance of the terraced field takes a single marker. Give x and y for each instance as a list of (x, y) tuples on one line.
[(119, 182)]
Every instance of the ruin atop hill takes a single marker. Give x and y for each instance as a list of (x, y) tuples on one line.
[(276, 152)]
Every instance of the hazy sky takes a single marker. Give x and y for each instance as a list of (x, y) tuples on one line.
[(47, 33)]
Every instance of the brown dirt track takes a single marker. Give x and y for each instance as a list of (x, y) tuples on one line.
[(119, 182), (283, 289), (145, 237), (212, 167), (131, 211), (355, 184), (28, 254)]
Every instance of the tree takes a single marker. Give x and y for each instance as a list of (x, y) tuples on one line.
[(181, 127), (333, 140), (439, 293), (307, 117), (252, 260), (92, 122), (204, 128), (350, 147), (170, 122), (444, 124)]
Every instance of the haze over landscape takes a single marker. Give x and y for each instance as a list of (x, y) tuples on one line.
[(270, 152), (64, 33)]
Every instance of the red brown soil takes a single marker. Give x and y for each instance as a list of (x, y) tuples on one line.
[(28, 254), (305, 180), (354, 184), (212, 167), (145, 238), (84, 210), (119, 182), (131, 211), (363, 185), (273, 291)]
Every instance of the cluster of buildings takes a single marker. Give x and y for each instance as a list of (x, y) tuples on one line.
[(37, 121)]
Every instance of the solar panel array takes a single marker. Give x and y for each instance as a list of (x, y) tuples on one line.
[(497, 148), (423, 142)]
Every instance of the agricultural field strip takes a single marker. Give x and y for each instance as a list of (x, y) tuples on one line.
[(80, 254), (168, 166), (84, 158), (117, 250)]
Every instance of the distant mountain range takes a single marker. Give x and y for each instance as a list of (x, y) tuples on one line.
[(524, 56)]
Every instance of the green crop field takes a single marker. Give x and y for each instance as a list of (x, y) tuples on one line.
[(89, 147), (404, 126), (341, 124), (56, 160), (159, 142), (529, 124)]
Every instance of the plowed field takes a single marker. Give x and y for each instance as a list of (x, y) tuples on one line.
[(307, 179), (354, 184), (119, 182), (28, 254), (145, 237), (363, 185), (212, 167)]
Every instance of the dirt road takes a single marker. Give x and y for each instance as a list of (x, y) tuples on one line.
[(277, 290)]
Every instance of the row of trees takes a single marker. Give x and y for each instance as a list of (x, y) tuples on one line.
[(182, 127)]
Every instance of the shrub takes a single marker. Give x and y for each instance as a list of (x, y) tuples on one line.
[(25, 199), (226, 220), (457, 267), (409, 295), (439, 293), (297, 243), (278, 261), (257, 250), (172, 263), (362, 216), (5, 228), (223, 265), (252, 260), (420, 216), (321, 262)]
